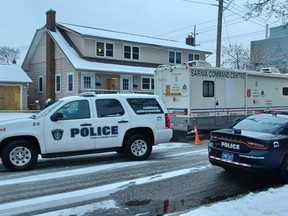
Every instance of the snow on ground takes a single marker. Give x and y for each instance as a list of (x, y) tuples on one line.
[(272, 202)]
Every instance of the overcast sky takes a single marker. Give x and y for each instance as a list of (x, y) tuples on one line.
[(171, 19)]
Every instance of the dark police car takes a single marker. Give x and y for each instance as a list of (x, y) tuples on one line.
[(258, 143)]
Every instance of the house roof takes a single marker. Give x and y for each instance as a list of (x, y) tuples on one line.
[(81, 64), (13, 73), (128, 37)]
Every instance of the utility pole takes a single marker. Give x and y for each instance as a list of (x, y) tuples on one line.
[(194, 34), (219, 33)]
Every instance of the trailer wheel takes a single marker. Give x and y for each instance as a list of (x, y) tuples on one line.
[(284, 169), (138, 147), (19, 155)]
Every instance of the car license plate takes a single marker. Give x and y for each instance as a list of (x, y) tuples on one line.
[(227, 156)]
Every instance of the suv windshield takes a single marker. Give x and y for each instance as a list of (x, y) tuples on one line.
[(46, 110), (261, 123)]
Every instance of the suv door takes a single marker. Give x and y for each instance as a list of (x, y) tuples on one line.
[(73, 131), (111, 123)]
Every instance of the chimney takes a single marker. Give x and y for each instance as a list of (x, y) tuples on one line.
[(50, 55), (50, 22), (190, 40)]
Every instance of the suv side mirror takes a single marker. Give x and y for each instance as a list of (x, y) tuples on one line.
[(57, 116)]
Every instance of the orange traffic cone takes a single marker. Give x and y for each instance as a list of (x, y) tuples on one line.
[(197, 139)]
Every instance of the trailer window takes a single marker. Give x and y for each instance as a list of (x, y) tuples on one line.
[(285, 91), (208, 88)]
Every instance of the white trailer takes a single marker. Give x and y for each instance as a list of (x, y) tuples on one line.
[(211, 98)]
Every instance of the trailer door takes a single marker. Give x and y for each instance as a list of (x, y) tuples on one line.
[(220, 101)]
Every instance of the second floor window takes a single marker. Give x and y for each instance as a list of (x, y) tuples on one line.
[(192, 57), (174, 57), (131, 52), (104, 49)]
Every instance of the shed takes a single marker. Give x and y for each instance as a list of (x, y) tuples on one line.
[(13, 87)]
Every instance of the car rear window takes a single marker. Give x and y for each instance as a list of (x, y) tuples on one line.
[(261, 123), (142, 106)]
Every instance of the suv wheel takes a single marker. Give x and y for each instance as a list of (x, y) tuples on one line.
[(138, 147), (19, 155)]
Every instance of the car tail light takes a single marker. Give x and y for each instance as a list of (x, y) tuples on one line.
[(167, 120), (257, 145)]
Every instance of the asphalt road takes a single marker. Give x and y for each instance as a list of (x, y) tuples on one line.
[(177, 177)]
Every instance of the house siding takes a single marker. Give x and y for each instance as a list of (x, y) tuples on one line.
[(63, 67), (40, 53), (78, 42), (35, 71)]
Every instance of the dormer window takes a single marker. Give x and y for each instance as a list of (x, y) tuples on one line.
[(174, 57), (104, 49), (131, 52), (192, 57)]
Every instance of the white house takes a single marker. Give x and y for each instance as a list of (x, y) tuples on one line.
[(67, 59)]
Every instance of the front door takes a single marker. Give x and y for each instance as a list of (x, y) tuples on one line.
[(73, 131), (126, 84), (220, 101)]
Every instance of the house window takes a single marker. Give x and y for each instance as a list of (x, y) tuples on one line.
[(40, 84), (135, 53), (131, 52), (147, 83), (70, 80), (58, 83), (104, 49), (190, 57), (174, 57), (208, 88), (109, 49), (285, 91)]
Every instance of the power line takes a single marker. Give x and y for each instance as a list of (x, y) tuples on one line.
[(235, 36), (201, 3)]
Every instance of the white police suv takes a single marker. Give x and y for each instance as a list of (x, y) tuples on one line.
[(88, 123)]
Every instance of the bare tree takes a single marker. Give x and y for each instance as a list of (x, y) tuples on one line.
[(235, 56), (269, 8), (258, 58), (281, 54), (8, 55)]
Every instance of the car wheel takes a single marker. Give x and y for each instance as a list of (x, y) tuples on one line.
[(138, 147), (19, 155), (284, 169)]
